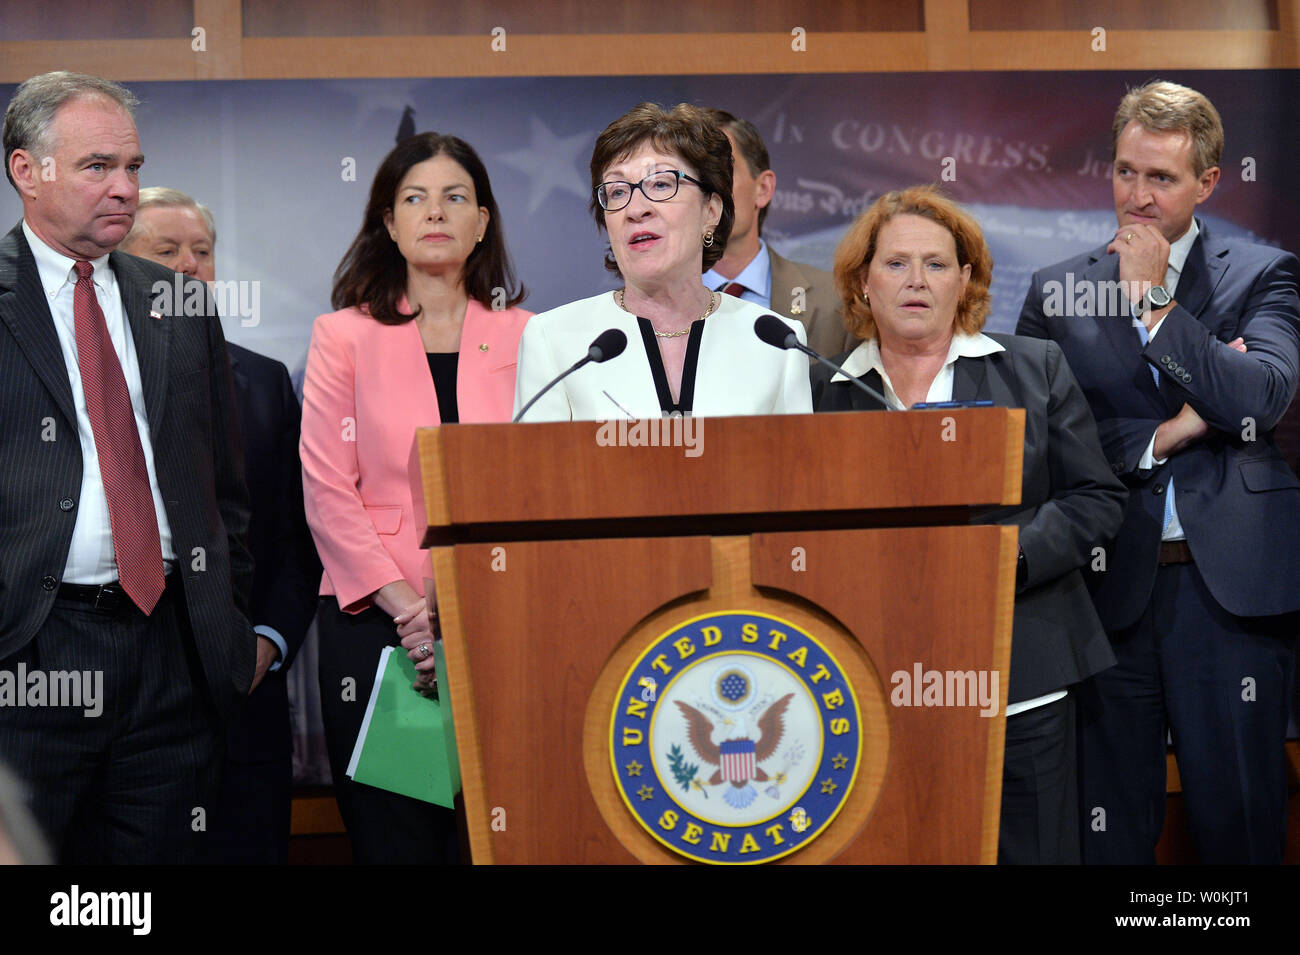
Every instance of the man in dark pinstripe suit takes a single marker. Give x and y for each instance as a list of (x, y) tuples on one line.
[(122, 506), (250, 824)]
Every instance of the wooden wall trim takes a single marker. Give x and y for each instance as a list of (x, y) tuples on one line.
[(1133, 50), (222, 20), (947, 44), (123, 60), (651, 54), (947, 35)]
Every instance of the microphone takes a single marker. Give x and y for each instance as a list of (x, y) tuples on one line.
[(608, 344), (777, 334)]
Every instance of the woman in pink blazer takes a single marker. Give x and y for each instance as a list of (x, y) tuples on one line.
[(426, 333)]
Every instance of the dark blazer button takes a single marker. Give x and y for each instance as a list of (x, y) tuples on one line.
[(1187, 376), (1165, 360), (48, 582), (1117, 467), (1157, 489), (66, 504)]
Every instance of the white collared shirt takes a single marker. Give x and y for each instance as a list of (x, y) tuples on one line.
[(866, 357), (1179, 249), (90, 556), (1178, 252), (756, 277)]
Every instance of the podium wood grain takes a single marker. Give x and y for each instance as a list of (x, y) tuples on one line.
[(909, 596), (543, 474), (559, 559)]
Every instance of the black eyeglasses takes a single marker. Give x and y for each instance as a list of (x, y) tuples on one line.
[(657, 187)]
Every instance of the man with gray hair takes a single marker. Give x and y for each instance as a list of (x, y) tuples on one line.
[(173, 230), (124, 514), (249, 824), (1198, 591)]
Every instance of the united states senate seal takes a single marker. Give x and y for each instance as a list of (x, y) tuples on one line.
[(735, 738)]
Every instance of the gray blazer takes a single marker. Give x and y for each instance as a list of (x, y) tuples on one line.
[(821, 312)]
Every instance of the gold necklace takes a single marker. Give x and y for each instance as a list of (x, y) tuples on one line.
[(713, 303)]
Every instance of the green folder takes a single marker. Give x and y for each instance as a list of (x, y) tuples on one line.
[(407, 743)]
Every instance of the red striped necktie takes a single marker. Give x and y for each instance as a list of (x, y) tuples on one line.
[(131, 513)]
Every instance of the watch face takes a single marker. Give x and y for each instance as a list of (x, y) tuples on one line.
[(1158, 297)]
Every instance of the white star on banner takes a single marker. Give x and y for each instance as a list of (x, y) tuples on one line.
[(549, 163)]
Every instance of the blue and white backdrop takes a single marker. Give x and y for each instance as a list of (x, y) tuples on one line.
[(1029, 155)]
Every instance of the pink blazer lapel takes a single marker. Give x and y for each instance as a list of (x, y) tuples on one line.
[(485, 377), (407, 368)]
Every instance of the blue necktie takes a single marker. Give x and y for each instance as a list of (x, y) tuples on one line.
[(1169, 485)]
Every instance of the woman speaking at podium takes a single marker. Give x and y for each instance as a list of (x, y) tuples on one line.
[(661, 190), (914, 272), (415, 342)]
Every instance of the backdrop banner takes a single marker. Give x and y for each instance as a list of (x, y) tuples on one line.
[(286, 166)]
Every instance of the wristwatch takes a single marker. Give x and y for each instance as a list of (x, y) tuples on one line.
[(1155, 299)]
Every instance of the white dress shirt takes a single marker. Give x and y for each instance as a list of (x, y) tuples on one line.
[(1178, 250), (866, 357), (756, 277), (90, 557)]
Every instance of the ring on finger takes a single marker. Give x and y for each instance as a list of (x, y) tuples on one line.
[(424, 649)]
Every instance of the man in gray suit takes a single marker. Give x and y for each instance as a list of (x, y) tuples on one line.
[(123, 566), (751, 270)]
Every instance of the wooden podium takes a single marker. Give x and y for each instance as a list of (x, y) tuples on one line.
[(753, 639)]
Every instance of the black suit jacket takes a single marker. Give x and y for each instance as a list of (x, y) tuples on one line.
[(287, 570), (1238, 501), (1070, 504), (189, 398)]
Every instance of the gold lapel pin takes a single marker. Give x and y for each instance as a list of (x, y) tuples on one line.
[(483, 347)]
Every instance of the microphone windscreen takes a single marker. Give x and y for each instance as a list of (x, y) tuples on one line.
[(774, 331), (608, 344)]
